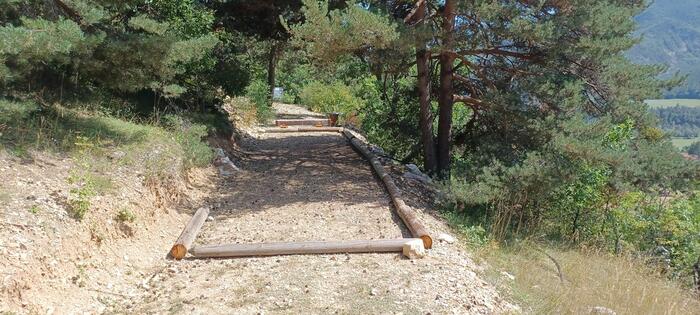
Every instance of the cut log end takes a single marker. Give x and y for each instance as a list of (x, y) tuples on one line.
[(414, 249), (427, 241), (178, 251), (189, 233)]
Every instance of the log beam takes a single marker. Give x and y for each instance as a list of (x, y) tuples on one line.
[(189, 233), (301, 248), (405, 212), (304, 129), (301, 122)]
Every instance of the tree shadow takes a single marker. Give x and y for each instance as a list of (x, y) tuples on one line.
[(285, 170), (25, 125)]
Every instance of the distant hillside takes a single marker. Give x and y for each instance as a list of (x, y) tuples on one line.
[(671, 36)]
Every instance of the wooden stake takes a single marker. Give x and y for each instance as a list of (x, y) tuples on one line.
[(295, 248), (184, 242), (405, 212)]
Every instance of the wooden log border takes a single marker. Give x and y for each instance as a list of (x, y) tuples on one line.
[(189, 233), (407, 215), (301, 248), (405, 212), (302, 122), (303, 129)]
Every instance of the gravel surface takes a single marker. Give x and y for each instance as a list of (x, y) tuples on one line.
[(297, 187)]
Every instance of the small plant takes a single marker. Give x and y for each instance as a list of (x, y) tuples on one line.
[(259, 93), (34, 209), (125, 215), (80, 202), (96, 235), (188, 136)]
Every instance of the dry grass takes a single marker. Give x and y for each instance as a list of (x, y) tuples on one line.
[(591, 279)]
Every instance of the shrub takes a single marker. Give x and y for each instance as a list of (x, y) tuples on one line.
[(259, 93), (124, 215), (327, 98), (189, 136), (241, 110), (79, 202), (694, 148)]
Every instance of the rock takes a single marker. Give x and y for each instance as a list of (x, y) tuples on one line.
[(447, 238), (508, 275), (373, 291), (414, 249), (210, 218), (602, 310), (376, 150), (224, 164), (414, 169), (116, 155), (418, 178)]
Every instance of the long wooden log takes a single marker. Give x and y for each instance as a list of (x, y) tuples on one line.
[(302, 122), (303, 248), (184, 242), (405, 212), (304, 129)]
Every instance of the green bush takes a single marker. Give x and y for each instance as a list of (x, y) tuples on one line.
[(293, 76), (259, 93), (694, 148), (190, 136), (327, 98), (242, 111)]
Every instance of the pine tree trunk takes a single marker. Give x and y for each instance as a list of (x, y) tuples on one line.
[(445, 99), (426, 115), (271, 65)]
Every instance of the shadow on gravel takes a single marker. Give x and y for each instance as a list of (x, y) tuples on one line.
[(300, 169)]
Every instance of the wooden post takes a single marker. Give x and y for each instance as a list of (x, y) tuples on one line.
[(405, 212), (184, 242), (296, 248), (304, 129)]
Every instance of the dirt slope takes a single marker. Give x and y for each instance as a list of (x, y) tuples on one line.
[(53, 263), (296, 187)]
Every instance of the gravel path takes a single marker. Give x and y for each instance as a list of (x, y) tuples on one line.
[(301, 187), (297, 187)]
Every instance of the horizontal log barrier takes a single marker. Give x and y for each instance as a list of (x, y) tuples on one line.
[(302, 122), (304, 129), (189, 233), (405, 212), (301, 248)]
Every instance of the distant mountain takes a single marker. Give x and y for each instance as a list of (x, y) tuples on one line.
[(671, 36)]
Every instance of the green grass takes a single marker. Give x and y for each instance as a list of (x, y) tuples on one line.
[(160, 148), (682, 143), (525, 275), (673, 102), (34, 209), (624, 284)]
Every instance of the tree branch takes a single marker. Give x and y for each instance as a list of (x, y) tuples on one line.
[(72, 14)]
